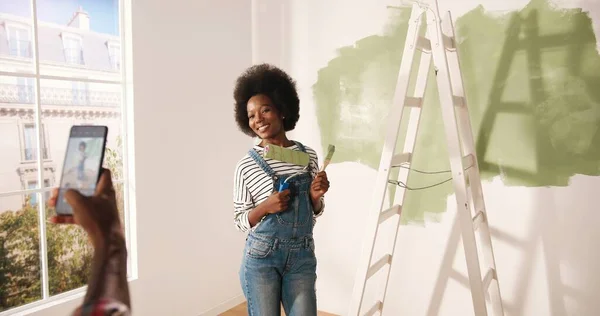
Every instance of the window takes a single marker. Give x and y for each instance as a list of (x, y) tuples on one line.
[(114, 55), (19, 42), (73, 49), (30, 152), (32, 198), (40, 100)]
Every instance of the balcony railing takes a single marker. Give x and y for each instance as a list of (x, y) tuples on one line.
[(13, 93), (32, 153), (19, 48)]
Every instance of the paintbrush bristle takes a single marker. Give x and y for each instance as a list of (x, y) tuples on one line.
[(330, 151)]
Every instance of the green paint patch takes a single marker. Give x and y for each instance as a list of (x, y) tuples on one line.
[(532, 79)]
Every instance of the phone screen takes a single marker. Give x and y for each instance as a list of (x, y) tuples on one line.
[(83, 160)]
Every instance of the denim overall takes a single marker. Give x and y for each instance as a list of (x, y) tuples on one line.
[(279, 264)]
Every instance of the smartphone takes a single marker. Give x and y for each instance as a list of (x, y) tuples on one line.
[(83, 161)]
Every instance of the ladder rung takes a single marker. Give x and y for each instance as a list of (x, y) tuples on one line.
[(399, 159), (468, 161), (458, 101), (385, 215), (459, 277), (378, 265), (376, 308), (423, 44), (449, 42), (478, 220), (413, 102), (487, 280)]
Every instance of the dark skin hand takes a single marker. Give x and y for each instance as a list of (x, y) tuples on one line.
[(318, 188), (275, 203), (99, 217), (266, 121)]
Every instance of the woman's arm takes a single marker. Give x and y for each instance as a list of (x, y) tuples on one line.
[(257, 214), (246, 214), (242, 203), (318, 203)]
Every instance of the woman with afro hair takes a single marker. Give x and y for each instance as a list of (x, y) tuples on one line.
[(279, 264)]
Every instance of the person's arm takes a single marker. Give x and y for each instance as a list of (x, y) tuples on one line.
[(318, 206), (107, 291), (242, 202), (257, 214), (108, 279), (246, 214), (319, 185)]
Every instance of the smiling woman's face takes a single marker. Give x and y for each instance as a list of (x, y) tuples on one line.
[(263, 117)]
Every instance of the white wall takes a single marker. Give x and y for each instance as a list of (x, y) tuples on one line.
[(186, 55), (545, 238)]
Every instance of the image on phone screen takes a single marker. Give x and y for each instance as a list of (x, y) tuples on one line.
[(83, 160)]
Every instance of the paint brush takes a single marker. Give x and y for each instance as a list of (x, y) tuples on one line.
[(330, 151)]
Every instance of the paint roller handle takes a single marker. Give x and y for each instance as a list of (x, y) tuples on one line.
[(283, 186), (324, 165)]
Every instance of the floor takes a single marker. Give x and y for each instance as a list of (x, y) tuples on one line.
[(240, 310)]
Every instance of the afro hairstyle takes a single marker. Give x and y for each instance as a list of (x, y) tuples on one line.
[(272, 82)]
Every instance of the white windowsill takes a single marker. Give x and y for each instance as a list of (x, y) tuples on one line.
[(56, 300)]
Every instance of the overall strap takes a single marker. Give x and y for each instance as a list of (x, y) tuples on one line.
[(303, 149), (300, 146), (261, 163)]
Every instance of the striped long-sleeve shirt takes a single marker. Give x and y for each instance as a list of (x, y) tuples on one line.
[(251, 185)]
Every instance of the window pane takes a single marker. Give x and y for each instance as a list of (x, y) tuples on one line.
[(20, 278), (18, 141), (76, 38), (67, 103), (69, 256), (16, 46)]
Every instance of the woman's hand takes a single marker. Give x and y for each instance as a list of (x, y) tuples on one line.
[(277, 202), (319, 186)]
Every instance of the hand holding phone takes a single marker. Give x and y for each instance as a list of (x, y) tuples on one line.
[(97, 214), (82, 165)]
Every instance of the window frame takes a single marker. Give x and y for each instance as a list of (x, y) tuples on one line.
[(47, 183), (22, 27), (115, 64), (68, 36), (44, 141), (127, 126)]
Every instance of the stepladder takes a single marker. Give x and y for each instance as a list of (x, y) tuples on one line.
[(433, 37)]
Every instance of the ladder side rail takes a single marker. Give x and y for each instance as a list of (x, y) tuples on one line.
[(409, 146), (474, 174), (389, 146), (456, 162)]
